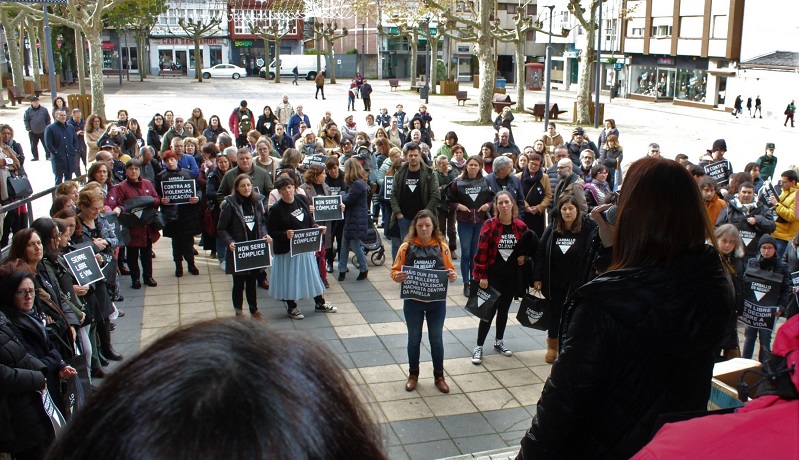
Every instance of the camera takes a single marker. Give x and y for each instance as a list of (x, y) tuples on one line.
[(611, 214)]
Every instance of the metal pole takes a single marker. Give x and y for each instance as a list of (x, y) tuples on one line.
[(363, 50), (427, 70), (127, 60), (50, 62), (549, 69), (119, 53), (598, 68)]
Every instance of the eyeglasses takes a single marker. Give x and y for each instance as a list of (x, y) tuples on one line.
[(96, 208), (562, 167), (24, 293)]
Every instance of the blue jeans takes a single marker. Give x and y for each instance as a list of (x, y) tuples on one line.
[(357, 248), (751, 334), (404, 226), (468, 233), (395, 244), (415, 313), (221, 249), (781, 245)]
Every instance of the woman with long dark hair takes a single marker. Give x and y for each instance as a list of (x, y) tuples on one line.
[(155, 132), (211, 193), (488, 152), (242, 219), (214, 129), (657, 313), (537, 193), (95, 127), (267, 122)]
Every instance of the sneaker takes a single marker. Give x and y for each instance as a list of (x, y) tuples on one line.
[(295, 313), (499, 345), (477, 356), (222, 265), (325, 308)]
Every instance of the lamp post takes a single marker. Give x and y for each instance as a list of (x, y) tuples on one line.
[(363, 50), (598, 67), (549, 68)]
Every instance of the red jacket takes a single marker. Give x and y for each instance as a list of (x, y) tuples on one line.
[(125, 191), (489, 242), (234, 120)]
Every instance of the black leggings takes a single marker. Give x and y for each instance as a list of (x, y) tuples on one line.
[(146, 256), (183, 248), (556, 299), (239, 282), (503, 306)]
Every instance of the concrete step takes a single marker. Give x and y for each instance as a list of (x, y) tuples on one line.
[(508, 453)]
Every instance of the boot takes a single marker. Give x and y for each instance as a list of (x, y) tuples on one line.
[(441, 384), (178, 269), (552, 350), (413, 379), (104, 337)]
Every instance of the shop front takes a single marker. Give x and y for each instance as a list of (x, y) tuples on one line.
[(178, 54), (250, 53), (111, 46), (682, 80)]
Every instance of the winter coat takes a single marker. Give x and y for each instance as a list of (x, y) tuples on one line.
[(619, 368), (575, 149), (429, 190), (779, 267), (294, 123), (62, 143), (181, 219), (285, 142), (212, 134), (787, 220), (487, 252), (554, 179), (155, 137), (166, 141), (571, 185), (128, 190), (266, 126), (609, 159), (127, 144), (714, 208), (356, 211), (200, 124), (767, 166), (582, 272), (258, 177), (454, 197), (535, 189), (22, 416), (36, 119), (734, 214), (235, 119), (603, 136), (444, 180), (231, 227)]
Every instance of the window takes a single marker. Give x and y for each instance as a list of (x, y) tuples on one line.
[(691, 27), (719, 27), (636, 32), (511, 9), (691, 85), (661, 31)]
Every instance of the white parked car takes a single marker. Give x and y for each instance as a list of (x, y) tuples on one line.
[(225, 70)]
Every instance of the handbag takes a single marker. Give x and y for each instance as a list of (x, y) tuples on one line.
[(18, 186), (534, 311), (482, 302), (121, 231), (76, 389), (158, 221)]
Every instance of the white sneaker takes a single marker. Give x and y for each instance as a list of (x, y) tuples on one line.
[(325, 308), (477, 356), (222, 265), (295, 313)]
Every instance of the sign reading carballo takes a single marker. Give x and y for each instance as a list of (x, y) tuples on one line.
[(423, 284), (388, 185), (306, 240), (761, 290), (719, 171), (84, 266), (250, 255), (179, 191), (327, 208)]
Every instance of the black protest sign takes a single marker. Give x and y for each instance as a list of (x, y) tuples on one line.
[(179, 191), (250, 255), (388, 185), (761, 295), (424, 284), (795, 280), (327, 208), (719, 171), (769, 191), (84, 266), (306, 240), (315, 159)]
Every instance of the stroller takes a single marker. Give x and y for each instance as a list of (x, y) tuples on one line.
[(372, 243)]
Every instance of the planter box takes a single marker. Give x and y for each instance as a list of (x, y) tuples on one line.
[(448, 88)]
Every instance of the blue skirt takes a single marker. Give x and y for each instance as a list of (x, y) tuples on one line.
[(295, 278)]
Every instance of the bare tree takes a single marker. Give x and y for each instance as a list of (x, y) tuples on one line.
[(587, 56), (329, 31), (11, 21)]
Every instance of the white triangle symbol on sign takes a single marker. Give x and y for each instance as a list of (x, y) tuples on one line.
[(250, 225), (473, 196), (564, 247), (759, 295), (412, 187), (747, 241), (480, 301)]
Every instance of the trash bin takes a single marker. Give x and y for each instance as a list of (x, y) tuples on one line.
[(423, 92), (501, 82)]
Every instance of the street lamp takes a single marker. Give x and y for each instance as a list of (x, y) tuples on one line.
[(363, 50), (549, 68), (598, 68)]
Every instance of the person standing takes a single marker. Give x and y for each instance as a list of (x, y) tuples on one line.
[(78, 124), (356, 219), (424, 247), (737, 107), (749, 106), (446, 217), (767, 162), (789, 112), (294, 122), (366, 95), (504, 120), (320, 85), (176, 131), (242, 218), (259, 179), (284, 111), (61, 143), (235, 120), (785, 208), (416, 188), (36, 119), (751, 218), (296, 72), (351, 92), (503, 260), (537, 193), (757, 107)]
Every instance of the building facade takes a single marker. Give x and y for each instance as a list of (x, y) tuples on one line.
[(248, 50)]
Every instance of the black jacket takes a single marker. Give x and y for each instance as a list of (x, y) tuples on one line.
[(22, 416), (583, 269), (638, 343), (231, 225), (734, 214), (181, 219)]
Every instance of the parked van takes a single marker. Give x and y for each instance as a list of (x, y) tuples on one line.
[(305, 63)]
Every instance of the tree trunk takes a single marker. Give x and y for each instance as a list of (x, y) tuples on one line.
[(267, 58), (96, 73), (277, 59), (587, 56), (43, 49), (485, 59), (198, 67), (13, 51), (330, 65), (520, 75), (80, 60), (144, 61), (414, 44), (34, 51), (432, 71), (23, 52)]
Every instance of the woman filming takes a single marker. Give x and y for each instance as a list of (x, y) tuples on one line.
[(637, 341), (242, 219), (505, 246), (424, 247)]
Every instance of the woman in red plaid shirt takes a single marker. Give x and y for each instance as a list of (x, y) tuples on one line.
[(503, 253)]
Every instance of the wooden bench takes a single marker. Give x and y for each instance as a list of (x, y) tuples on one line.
[(15, 95), (170, 73), (37, 89), (461, 96), (538, 111), (417, 88), (500, 101), (113, 72), (393, 83)]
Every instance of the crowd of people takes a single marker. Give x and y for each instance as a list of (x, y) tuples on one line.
[(550, 216)]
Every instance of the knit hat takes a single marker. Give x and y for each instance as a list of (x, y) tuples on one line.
[(719, 144), (767, 239)]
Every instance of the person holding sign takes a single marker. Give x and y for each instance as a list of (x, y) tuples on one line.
[(767, 281), (424, 247), (296, 277), (786, 209), (242, 219), (313, 186), (182, 221), (504, 251), (356, 219), (470, 196), (751, 218), (562, 262)]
